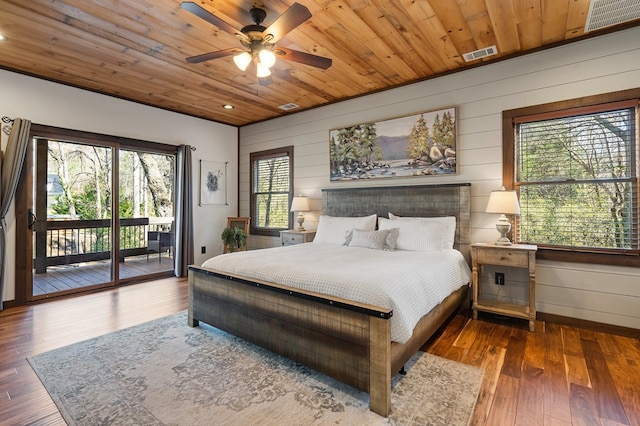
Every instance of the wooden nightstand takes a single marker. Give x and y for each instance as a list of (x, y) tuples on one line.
[(517, 256), (292, 237)]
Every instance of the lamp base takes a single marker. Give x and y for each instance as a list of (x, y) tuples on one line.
[(503, 226), (300, 220), (503, 241)]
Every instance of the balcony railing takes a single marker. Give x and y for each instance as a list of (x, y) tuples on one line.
[(66, 242)]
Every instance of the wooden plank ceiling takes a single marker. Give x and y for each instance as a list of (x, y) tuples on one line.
[(136, 49)]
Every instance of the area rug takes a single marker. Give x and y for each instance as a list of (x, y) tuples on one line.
[(166, 373)]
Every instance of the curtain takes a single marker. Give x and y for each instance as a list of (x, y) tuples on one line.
[(11, 165), (184, 211)]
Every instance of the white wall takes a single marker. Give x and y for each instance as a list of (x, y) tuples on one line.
[(600, 293), (53, 104)]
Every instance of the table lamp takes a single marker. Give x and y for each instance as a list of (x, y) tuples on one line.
[(503, 202), (300, 204)]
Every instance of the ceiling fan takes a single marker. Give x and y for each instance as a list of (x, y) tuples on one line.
[(258, 41)]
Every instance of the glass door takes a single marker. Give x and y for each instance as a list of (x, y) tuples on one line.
[(100, 215), (72, 232), (146, 211)]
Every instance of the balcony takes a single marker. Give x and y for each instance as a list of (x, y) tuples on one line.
[(73, 254)]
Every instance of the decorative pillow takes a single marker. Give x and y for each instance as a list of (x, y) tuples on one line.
[(368, 239), (392, 239), (332, 229), (379, 240), (447, 222), (415, 235)]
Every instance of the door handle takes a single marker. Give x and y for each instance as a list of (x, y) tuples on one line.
[(32, 219)]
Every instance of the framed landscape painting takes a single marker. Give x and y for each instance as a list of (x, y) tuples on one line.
[(422, 144)]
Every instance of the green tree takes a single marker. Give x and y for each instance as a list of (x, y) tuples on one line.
[(419, 139)]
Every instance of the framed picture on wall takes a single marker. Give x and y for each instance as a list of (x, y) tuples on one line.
[(213, 183), (422, 144)]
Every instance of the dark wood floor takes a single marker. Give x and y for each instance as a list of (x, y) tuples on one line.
[(558, 375)]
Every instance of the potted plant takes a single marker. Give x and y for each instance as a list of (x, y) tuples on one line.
[(233, 238)]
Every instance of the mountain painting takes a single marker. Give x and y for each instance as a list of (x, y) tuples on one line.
[(422, 144)]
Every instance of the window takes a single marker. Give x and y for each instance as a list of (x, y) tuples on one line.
[(271, 190), (575, 167)]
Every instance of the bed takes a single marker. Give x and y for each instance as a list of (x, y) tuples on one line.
[(345, 339)]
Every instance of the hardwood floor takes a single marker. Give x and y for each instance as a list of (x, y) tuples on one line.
[(557, 375)]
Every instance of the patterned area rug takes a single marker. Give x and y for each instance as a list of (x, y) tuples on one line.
[(166, 373)]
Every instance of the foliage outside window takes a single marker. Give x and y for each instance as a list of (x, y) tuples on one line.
[(76, 177), (271, 190), (576, 172)]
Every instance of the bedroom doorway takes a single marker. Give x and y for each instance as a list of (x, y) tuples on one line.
[(100, 214)]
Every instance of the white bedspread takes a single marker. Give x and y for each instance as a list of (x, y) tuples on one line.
[(409, 282)]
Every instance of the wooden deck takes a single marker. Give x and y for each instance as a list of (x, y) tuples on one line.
[(66, 278)]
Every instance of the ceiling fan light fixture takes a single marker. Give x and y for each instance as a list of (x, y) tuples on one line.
[(242, 60), (263, 71), (267, 58)]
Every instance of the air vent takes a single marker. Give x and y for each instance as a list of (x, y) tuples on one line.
[(480, 53), (289, 106), (607, 13)]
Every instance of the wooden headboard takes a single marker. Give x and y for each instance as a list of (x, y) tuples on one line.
[(418, 200)]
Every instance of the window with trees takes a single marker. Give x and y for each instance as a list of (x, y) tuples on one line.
[(271, 190), (574, 165)]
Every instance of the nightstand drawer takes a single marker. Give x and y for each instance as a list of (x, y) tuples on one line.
[(289, 239), (503, 257), (292, 237)]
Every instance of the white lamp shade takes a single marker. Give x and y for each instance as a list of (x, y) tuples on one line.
[(503, 202), (267, 58), (242, 60), (300, 204), (262, 71)]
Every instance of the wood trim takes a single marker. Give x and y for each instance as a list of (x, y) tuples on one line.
[(261, 155), (78, 136), (632, 333), (23, 262)]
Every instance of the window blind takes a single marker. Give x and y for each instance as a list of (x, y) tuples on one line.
[(577, 179), (271, 189)]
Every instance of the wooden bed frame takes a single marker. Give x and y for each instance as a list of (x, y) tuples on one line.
[(348, 341)]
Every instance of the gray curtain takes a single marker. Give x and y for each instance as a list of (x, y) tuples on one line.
[(12, 162), (184, 211)]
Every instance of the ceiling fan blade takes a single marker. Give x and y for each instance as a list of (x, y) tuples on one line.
[(290, 19), (202, 13), (265, 81), (303, 57), (213, 55)]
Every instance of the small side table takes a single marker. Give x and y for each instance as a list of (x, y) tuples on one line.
[(516, 255), (292, 237)]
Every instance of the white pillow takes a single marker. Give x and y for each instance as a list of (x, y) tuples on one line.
[(380, 240), (368, 239), (416, 235), (447, 222), (332, 229)]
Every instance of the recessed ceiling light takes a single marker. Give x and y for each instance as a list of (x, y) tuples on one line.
[(227, 106), (2, 37)]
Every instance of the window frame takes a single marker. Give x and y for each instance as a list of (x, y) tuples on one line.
[(509, 175), (264, 155)]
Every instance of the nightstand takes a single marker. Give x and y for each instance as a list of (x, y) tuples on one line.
[(292, 237), (516, 256)]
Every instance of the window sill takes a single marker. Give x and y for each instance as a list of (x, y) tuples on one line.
[(614, 259)]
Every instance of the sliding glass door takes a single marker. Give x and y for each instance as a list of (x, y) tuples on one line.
[(100, 214)]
